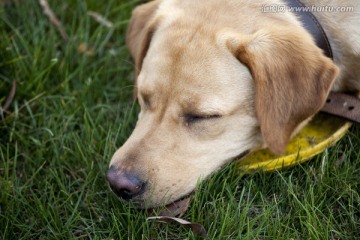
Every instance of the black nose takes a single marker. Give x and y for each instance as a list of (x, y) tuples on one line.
[(124, 184)]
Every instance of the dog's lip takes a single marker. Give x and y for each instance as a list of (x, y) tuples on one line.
[(174, 209)]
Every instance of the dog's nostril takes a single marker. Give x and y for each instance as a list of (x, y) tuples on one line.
[(124, 184)]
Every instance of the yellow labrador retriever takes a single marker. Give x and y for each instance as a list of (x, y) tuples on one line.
[(219, 78)]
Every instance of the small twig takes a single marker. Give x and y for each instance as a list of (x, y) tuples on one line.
[(27, 103), (9, 99), (53, 19), (174, 211), (195, 227), (100, 19)]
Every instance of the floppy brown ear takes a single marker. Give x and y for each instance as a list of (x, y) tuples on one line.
[(292, 79), (140, 30)]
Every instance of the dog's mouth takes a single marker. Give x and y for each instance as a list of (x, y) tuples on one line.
[(175, 209)]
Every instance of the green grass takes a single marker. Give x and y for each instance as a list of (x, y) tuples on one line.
[(72, 111)]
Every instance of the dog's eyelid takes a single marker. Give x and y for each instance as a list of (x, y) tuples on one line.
[(197, 117)]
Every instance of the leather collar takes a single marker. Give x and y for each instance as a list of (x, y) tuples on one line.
[(311, 24)]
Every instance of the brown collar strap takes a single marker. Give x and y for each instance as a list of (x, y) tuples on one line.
[(343, 105), (311, 24), (338, 104)]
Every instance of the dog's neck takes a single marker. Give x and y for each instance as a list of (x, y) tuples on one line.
[(312, 25)]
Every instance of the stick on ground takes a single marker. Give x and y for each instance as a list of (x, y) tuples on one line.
[(100, 19), (53, 19), (9, 99)]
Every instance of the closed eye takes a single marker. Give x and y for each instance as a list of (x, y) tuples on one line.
[(195, 118)]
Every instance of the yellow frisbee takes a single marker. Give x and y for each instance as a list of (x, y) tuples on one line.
[(321, 132)]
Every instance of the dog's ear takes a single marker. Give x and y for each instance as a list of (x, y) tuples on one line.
[(292, 79), (140, 30)]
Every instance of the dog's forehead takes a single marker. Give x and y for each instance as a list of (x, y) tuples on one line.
[(179, 55), (186, 64)]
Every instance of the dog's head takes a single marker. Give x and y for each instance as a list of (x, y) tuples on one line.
[(208, 95)]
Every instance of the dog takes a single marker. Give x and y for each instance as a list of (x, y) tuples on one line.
[(217, 79)]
